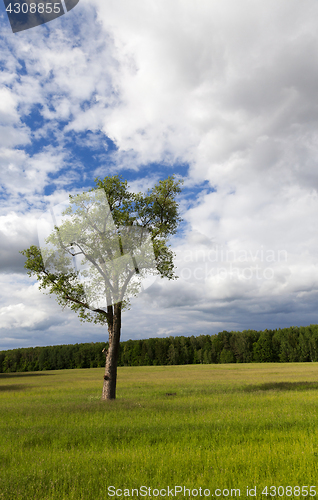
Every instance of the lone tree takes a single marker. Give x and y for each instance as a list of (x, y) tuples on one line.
[(106, 241)]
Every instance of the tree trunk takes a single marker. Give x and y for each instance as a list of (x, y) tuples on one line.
[(110, 377)]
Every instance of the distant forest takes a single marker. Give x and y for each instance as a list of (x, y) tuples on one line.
[(292, 344)]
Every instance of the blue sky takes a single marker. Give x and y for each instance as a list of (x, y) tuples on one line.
[(223, 94)]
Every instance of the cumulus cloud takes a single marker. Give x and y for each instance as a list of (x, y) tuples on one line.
[(16, 233), (29, 318)]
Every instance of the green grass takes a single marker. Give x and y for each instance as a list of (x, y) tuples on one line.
[(209, 426)]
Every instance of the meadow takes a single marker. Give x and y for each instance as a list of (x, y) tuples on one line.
[(214, 427)]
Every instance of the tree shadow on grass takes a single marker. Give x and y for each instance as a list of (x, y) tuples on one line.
[(282, 386), (25, 374), (14, 387)]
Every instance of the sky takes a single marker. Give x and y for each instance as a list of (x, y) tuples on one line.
[(222, 94)]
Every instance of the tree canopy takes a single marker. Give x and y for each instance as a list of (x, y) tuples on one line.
[(96, 251)]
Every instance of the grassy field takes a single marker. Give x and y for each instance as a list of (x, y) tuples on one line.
[(215, 427)]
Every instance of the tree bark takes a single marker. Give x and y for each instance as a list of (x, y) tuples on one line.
[(110, 377)]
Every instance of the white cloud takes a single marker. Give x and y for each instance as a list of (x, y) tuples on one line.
[(17, 232), (206, 76), (26, 174), (14, 316), (28, 318), (24, 307)]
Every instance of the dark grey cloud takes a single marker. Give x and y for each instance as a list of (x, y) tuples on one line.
[(16, 233)]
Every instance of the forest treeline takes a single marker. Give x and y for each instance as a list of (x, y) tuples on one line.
[(292, 344)]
